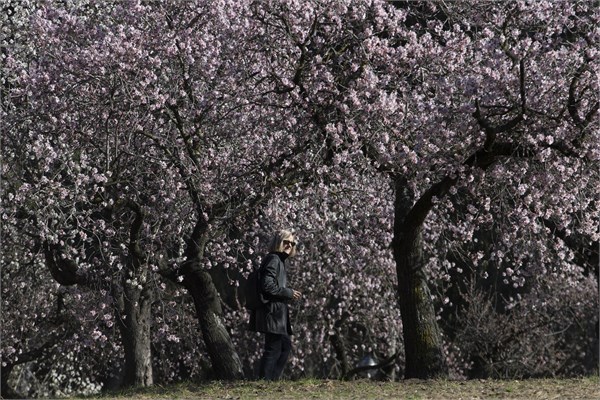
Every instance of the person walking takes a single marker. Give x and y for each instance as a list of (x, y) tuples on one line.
[(273, 317)]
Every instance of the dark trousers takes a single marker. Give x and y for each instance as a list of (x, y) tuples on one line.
[(275, 355)]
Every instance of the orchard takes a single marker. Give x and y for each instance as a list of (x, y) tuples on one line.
[(438, 161)]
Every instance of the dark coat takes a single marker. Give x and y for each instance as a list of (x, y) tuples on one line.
[(274, 316)]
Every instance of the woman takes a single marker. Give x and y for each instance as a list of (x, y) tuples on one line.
[(273, 318)]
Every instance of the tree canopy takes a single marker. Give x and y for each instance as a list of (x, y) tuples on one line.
[(439, 162)]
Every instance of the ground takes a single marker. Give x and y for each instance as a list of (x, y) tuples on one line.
[(582, 388)]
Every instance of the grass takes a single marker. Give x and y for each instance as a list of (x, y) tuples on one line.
[(580, 388)]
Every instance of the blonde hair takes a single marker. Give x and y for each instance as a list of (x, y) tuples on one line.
[(276, 244)]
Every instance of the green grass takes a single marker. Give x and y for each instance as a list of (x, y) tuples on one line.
[(581, 388)]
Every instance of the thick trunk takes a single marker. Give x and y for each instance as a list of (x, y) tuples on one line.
[(135, 330), (422, 335), (137, 302)]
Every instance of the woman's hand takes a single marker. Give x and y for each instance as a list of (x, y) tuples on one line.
[(296, 294)]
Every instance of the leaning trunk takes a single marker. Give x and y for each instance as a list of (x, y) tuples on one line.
[(223, 355), (422, 335), (224, 358)]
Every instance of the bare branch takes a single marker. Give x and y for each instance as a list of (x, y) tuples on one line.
[(491, 131), (62, 269)]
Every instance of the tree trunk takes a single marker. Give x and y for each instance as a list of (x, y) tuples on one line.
[(135, 332), (136, 305), (422, 335), (224, 358)]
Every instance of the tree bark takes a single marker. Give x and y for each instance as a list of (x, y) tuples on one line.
[(136, 306), (135, 333), (422, 335), (224, 358)]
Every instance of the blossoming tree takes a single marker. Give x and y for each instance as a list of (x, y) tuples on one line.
[(453, 104), (151, 145)]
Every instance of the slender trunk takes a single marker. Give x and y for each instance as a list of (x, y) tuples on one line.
[(339, 344), (223, 355), (422, 335)]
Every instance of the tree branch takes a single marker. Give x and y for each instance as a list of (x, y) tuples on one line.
[(572, 107), (62, 269), (491, 131)]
